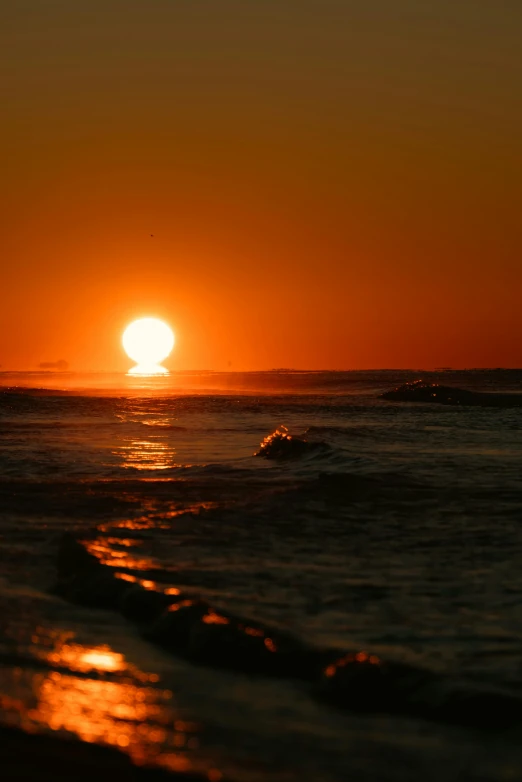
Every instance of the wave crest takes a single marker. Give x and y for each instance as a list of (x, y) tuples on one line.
[(356, 680), (281, 446)]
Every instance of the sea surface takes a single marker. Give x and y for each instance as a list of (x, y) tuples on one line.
[(395, 531)]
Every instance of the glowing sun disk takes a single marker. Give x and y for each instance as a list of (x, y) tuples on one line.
[(148, 341)]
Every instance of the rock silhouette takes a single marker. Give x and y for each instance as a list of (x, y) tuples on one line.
[(420, 391)]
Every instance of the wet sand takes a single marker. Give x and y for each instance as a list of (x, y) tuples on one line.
[(28, 757)]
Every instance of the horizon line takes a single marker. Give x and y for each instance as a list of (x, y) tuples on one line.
[(274, 370)]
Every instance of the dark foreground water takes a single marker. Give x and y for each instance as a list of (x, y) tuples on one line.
[(393, 534)]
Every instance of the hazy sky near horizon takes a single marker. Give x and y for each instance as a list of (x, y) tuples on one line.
[(329, 183)]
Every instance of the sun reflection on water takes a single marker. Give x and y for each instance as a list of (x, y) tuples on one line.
[(101, 698), (151, 454), (77, 658), (102, 711), (146, 584), (123, 550), (114, 558)]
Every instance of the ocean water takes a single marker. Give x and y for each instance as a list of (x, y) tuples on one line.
[(385, 530)]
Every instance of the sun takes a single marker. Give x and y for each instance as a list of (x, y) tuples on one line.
[(148, 341)]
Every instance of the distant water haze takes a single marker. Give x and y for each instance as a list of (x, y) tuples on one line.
[(269, 382)]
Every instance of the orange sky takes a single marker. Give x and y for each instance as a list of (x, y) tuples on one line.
[(328, 185)]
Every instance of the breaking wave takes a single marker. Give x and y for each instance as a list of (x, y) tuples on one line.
[(191, 628), (283, 446)]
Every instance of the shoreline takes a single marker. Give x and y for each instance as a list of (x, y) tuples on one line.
[(37, 757)]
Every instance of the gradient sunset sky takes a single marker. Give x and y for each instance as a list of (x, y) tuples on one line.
[(329, 183)]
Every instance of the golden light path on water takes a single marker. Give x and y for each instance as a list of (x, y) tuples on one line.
[(93, 692), (150, 454), (151, 451), (96, 695)]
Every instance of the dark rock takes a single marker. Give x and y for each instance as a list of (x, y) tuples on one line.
[(98, 589), (73, 557), (144, 605), (419, 391), (172, 629)]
